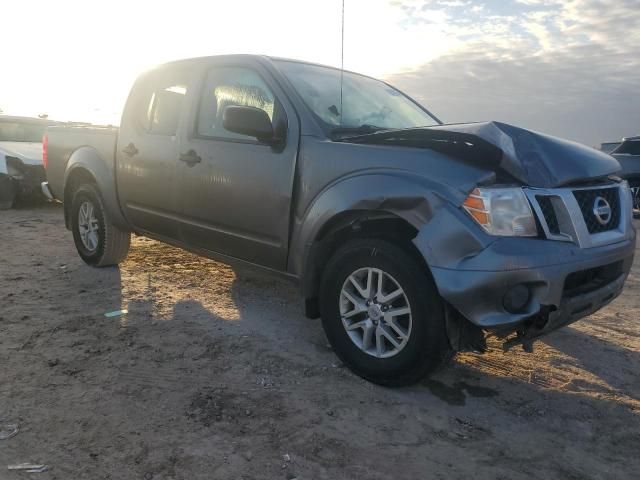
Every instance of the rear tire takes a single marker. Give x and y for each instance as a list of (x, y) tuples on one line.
[(414, 343), (98, 241)]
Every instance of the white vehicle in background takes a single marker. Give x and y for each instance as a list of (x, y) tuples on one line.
[(21, 168)]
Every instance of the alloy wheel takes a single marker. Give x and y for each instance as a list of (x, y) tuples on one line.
[(375, 312), (88, 226)]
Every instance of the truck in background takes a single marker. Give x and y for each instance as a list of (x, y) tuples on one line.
[(627, 152), (21, 168)]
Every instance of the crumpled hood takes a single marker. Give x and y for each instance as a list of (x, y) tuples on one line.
[(535, 159), (541, 160), (30, 153)]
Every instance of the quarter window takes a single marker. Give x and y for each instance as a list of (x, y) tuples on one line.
[(232, 86)]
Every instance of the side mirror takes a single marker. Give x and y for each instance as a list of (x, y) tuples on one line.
[(250, 121)]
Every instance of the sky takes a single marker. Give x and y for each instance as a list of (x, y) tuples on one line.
[(570, 68)]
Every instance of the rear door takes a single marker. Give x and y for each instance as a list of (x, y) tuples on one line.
[(148, 149), (236, 200)]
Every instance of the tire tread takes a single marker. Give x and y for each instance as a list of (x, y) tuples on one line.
[(116, 242)]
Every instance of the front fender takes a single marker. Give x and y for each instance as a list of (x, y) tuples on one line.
[(410, 197), (89, 160)]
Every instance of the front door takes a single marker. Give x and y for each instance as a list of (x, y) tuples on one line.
[(236, 193), (148, 150)]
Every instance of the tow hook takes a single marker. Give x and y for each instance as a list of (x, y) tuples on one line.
[(533, 328), (519, 339)]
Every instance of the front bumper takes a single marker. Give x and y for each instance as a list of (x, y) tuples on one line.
[(575, 308), (551, 270), (27, 178)]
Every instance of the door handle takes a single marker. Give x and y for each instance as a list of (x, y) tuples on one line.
[(190, 158), (130, 150)]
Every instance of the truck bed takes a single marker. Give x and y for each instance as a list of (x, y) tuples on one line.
[(63, 141)]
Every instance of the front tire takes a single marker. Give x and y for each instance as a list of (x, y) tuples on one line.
[(382, 313), (98, 242)]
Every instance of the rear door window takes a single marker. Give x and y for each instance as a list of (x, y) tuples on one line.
[(162, 105)]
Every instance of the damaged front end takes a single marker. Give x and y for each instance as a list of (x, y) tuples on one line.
[(516, 155), (523, 283), (18, 179)]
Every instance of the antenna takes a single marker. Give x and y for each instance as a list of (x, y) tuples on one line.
[(342, 64)]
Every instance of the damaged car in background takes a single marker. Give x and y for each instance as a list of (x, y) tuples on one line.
[(21, 168), (627, 153), (409, 238)]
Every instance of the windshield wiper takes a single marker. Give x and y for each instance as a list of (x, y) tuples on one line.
[(337, 132)]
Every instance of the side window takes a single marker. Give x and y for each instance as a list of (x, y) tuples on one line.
[(237, 86), (161, 106)]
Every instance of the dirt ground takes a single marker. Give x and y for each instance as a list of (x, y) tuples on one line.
[(216, 374)]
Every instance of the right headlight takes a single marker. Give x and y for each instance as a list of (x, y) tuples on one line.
[(502, 211)]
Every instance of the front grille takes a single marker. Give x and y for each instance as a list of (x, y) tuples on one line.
[(569, 214), (586, 281), (586, 201), (548, 213)]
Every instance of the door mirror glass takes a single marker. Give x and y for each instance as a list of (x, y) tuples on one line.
[(250, 121)]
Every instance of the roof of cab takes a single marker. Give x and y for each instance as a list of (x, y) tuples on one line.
[(204, 59), (232, 56)]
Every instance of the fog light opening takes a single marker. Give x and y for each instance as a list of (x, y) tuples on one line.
[(516, 299)]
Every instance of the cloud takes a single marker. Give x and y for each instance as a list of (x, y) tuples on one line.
[(569, 68)]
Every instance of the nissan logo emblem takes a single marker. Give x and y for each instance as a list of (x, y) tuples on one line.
[(601, 210)]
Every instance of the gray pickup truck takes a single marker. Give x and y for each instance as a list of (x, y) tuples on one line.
[(411, 239)]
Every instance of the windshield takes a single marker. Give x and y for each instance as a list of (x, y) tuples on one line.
[(366, 102), (21, 132)]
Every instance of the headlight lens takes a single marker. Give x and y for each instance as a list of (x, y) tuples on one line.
[(502, 211)]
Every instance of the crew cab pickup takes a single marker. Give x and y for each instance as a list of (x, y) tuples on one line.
[(409, 238)]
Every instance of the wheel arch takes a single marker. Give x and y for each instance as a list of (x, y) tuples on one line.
[(343, 227), (376, 202), (85, 165)]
